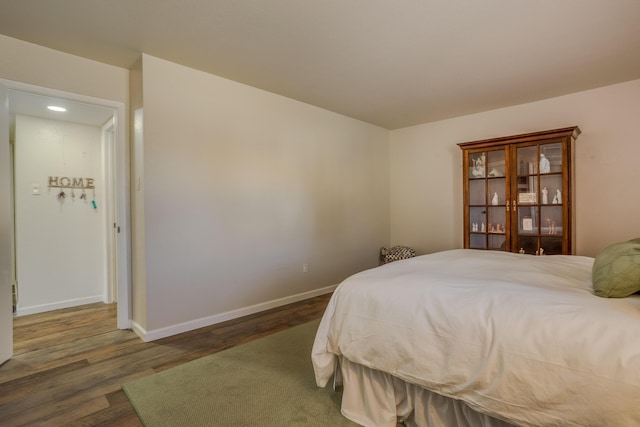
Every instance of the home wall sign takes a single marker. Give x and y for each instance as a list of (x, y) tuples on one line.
[(73, 183)]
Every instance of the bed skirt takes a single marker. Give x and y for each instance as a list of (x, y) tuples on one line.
[(376, 399)]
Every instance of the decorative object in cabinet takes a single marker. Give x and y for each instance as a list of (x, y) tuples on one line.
[(518, 192)]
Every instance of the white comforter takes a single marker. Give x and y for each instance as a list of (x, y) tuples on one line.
[(518, 337)]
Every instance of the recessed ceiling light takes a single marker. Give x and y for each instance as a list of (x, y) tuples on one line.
[(55, 108)]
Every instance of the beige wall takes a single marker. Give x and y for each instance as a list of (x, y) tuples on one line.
[(138, 265), (242, 187), (40, 66), (426, 175)]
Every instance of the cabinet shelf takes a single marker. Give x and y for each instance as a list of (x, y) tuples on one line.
[(532, 175), (530, 205)]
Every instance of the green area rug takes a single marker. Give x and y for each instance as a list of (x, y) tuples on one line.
[(266, 382)]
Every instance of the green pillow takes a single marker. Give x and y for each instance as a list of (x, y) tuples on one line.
[(616, 270)]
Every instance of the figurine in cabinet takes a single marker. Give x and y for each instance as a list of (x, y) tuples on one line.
[(478, 169), (545, 166)]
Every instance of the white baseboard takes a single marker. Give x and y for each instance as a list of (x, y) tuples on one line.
[(156, 334), (23, 311)]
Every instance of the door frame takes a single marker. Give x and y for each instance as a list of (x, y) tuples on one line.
[(120, 205), (6, 233), (108, 140)]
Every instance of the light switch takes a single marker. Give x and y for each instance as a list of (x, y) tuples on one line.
[(35, 189)]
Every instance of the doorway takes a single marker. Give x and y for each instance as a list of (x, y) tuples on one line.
[(96, 194)]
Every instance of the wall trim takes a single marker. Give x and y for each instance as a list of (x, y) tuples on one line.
[(34, 309), (156, 334)]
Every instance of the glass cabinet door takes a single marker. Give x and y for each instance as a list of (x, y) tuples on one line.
[(487, 200), (538, 198)]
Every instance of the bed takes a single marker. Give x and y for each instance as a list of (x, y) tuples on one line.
[(481, 338)]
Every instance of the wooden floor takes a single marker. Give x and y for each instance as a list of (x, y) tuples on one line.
[(69, 365)]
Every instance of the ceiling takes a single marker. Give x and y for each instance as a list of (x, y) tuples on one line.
[(391, 63), (35, 105)]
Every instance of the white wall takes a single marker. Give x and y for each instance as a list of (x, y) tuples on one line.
[(242, 187), (60, 243), (426, 175)]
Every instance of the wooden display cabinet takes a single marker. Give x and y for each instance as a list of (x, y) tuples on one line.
[(518, 192)]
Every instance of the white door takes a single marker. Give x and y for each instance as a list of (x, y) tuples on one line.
[(6, 232)]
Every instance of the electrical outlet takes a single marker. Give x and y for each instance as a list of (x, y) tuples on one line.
[(305, 268)]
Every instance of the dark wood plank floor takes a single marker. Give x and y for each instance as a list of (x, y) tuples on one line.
[(69, 365)]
